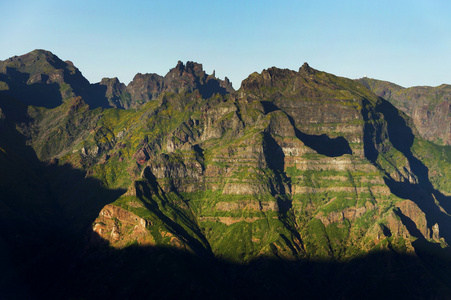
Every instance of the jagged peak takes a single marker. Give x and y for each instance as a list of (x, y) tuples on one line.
[(193, 65), (190, 67), (180, 66), (306, 69)]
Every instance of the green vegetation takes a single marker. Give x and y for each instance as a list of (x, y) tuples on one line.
[(232, 176), (3, 86), (438, 160)]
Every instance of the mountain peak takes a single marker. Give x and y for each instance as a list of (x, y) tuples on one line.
[(41, 78), (180, 66), (191, 68), (41, 52), (306, 69)]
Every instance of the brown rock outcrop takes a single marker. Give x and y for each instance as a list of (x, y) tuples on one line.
[(119, 227)]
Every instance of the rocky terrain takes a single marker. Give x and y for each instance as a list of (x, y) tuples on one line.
[(40, 78), (429, 107), (297, 180)]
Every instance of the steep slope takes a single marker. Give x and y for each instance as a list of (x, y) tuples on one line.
[(295, 164), (296, 175), (429, 107), (115, 91), (40, 78)]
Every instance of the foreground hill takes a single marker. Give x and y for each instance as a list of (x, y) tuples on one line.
[(298, 179)]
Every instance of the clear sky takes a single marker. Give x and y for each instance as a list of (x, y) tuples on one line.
[(405, 42)]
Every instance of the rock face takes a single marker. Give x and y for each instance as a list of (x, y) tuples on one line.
[(320, 150), (183, 78), (146, 87), (296, 166), (429, 107), (116, 92), (114, 224)]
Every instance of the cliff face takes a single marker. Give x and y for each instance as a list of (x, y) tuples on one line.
[(298, 166), (429, 107)]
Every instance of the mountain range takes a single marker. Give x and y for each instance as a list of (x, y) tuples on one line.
[(299, 184)]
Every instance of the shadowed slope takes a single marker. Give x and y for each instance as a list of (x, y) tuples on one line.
[(46, 210), (421, 191)]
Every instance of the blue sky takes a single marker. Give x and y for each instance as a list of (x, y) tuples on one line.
[(405, 42)]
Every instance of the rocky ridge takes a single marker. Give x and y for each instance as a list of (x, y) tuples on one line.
[(295, 166), (146, 87), (40, 78)]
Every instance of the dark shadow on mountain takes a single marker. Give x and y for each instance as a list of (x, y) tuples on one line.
[(422, 192), (430, 253), (410, 225), (46, 209), (38, 94), (180, 232), (210, 88), (280, 184), (385, 230), (322, 144), (284, 205), (275, 158), (268, 107), (200, 155), (48, 94), (97, 97), (14, 110), (371, 137), (151, 187)]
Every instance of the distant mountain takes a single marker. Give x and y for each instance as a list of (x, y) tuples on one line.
[(40, 78), (429, 107), (301, 184), (146, 87)]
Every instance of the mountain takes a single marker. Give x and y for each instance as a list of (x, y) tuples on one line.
[(429, 107), (40, 78), (146, 87), (299, 184)]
